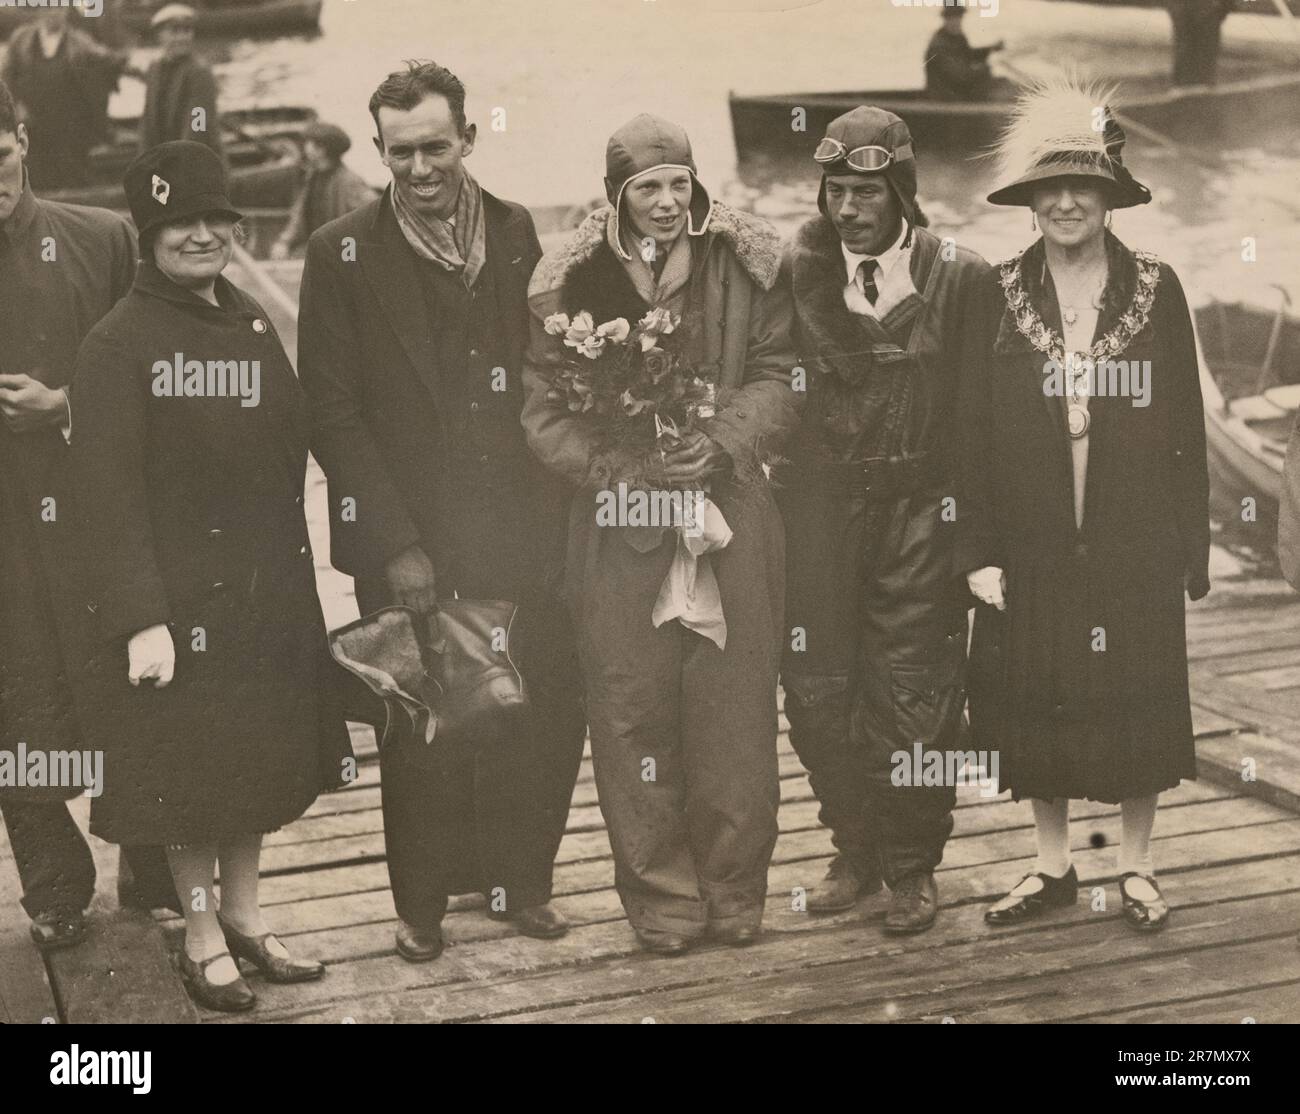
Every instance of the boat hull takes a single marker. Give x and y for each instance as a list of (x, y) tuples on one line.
[(1245, 460), (263, 155), (766, 127), (233, 20)]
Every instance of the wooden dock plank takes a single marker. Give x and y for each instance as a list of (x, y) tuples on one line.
[(26, 997), (818, 969), (123, 972), (961, 888)]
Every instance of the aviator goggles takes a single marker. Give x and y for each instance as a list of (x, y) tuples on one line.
[(865, 160)]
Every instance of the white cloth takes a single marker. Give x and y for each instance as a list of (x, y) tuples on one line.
[(1137, 818), (689, 592), (1078, 338), (1052, 831), (893, 277)]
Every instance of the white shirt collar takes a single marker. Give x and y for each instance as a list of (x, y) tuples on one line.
[(887, 258)]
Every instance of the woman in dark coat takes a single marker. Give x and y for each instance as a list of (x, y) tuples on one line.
[(189, 452), (1084, 515)]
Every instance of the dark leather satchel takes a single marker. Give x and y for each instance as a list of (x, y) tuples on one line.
[(447, 676)]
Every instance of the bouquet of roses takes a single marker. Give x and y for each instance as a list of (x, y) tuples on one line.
[(635, 381)]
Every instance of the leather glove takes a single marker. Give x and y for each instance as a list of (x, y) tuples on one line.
[(989, 585), (151, 656)]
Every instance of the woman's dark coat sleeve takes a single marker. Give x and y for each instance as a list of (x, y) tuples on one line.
[(108, 454), (1191, 479), (977, 544)]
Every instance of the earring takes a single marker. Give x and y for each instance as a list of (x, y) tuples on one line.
[(1033, 220), (1109, 214)]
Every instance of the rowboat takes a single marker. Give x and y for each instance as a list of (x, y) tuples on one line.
[(770, 128), (1244, 7), (263, 153), (229, 18), (1250, 389)]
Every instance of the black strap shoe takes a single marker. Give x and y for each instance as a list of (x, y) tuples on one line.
[(230, 997), (1139, 915), (1056, 893), (255, 950)]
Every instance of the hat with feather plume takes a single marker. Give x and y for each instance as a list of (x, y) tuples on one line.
[(1062, 127)]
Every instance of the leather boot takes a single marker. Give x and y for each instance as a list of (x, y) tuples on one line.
[(842, 885), (418, 945), (913, 904), (663, 943), (542, 922)]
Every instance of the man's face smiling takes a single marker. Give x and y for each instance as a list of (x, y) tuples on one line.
[(13, 149), (424, 149), (865, 211)]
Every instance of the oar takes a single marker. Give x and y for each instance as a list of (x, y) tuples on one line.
[(1274, 339)]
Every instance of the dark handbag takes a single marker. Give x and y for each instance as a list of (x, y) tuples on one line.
[(447, 676)]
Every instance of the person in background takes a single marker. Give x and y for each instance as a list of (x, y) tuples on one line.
[(1083, 512), (46, 311), (180, 100), (410, 354), (1197, 29), (61, 79), (886, 318), (330, 191), (210, 690), (693, 842), (955, 70)]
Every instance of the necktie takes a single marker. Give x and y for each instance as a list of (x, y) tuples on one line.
[(867, 280)]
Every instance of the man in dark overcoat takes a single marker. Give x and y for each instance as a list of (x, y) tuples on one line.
[(413, 324), (62, 267), (180, 99), (874, 667), (62, 79)]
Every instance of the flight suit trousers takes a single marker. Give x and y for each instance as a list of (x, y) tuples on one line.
[(683, 734), (875, 665)]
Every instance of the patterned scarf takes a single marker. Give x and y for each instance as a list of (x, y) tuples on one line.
[(459, 244), (669, 290)]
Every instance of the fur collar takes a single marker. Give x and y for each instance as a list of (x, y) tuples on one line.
[(752, 240), (835, 340)]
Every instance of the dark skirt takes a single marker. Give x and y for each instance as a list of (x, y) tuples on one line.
[(1081, 684), (245, 737)]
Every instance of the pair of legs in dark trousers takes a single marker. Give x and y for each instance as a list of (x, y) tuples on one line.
[(487, 818), (56, 868), (683, 734), (875, 665)]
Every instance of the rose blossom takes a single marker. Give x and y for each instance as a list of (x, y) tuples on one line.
[(557, 324), (591, 347), (579, 330), (615, 331)]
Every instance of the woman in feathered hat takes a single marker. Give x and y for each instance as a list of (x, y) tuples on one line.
[(682, 713), (1083, 516)]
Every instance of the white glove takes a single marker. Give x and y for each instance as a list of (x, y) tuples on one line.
[(989, 585), (150, 654)]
